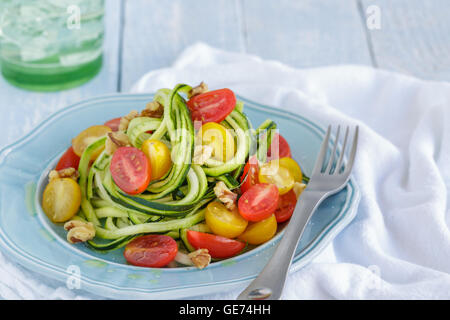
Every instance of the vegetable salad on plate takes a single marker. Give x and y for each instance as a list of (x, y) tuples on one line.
[(183, 182)]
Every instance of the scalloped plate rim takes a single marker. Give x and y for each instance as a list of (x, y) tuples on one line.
[(321, 240)]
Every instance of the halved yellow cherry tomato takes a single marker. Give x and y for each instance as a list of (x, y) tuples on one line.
[(86, 137), (159, 155), (224, 222), (219, 138), (293, 168), (260, 232), (272, 172), (61, 199)]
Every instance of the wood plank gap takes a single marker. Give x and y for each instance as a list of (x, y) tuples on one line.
[(366, 32), (120, 49), (243, 23)]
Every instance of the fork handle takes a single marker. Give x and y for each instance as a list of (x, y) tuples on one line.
[(270, 282)]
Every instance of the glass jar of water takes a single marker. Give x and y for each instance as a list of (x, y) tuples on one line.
[(50, 45)]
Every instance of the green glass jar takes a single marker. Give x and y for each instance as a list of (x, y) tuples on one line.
[(50, 45)]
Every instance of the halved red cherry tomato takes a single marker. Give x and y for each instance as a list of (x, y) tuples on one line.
[(286, 206), (152, 251), (130, 169), (113, 124), (68, 160), (280, 143), (218, 247), (250, 174), (212, 106), (259, 202)]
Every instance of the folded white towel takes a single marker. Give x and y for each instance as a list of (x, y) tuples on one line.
[(398, 246)]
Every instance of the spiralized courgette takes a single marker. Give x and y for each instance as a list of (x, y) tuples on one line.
[(176, 201)]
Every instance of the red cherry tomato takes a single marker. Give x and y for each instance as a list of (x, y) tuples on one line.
[(280, 143), (152, 251), (212, 106), (68, 160), (286, 206), (250, 174), (130, 169), (113, 124), (218, 247), (259, 202)]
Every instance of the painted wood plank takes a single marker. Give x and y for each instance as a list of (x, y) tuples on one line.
[(306, 33), (22, 110), (413, 38), (156, 31)]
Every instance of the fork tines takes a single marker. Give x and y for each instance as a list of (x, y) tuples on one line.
[(339, 167)]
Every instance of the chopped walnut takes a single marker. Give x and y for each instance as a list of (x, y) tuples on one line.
[(125, 121), (79, 231), (225, 195), (153, 109), (201, 258), (298, 188), (201, 154), (201, 88), (115, 140), (71, 173)]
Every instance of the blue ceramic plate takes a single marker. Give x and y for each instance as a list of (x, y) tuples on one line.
[(28, 237)]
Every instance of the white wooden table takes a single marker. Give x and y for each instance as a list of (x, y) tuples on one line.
[(142, 35)]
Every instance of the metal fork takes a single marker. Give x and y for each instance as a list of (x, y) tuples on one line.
[(323, 183)]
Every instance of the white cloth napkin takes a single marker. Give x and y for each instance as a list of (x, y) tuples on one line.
[(398, 246)]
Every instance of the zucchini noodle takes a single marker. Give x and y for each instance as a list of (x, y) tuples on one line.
[(176, 201)]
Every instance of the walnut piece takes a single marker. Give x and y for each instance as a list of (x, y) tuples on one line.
[(125, 121), (115, 140), (79, 231), (201, 258), (225, 195), (201, 88), (153, 109), (298, 188), (71, 173), (201, 154)]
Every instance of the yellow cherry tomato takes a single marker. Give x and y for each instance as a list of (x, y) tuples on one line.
[(224, 222), (61, 199), (86, 137), (272, 172), (219, 138), (293, 168), (159, 155), (260, 232)]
